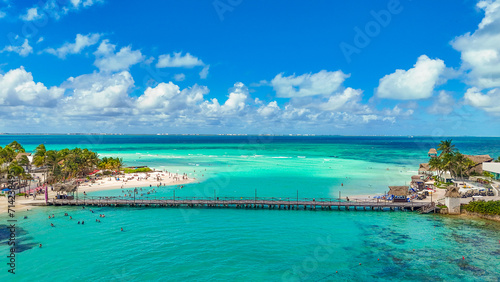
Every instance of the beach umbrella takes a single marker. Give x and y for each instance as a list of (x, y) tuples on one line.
[(6, 190)]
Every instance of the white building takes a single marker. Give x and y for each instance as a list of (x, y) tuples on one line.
[(493, 168), (452, 200)]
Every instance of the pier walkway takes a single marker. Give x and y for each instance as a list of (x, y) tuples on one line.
[(245, 203)]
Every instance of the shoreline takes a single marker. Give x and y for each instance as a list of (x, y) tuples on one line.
[(134, 180), (475, 215)]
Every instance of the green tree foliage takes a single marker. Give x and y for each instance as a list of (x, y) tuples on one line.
[(60, 165), (16, 146), (7, 154), (110, 163), (446, 147), (491, 207), (450, 159)]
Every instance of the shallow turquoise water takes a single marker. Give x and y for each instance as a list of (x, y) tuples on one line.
[(229, 244)]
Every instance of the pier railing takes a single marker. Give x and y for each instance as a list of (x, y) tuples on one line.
[(269, 202)]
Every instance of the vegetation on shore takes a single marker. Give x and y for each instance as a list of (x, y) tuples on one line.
[(136, 170), (490, 208), (11, 165), (450, 159), (58, 164)]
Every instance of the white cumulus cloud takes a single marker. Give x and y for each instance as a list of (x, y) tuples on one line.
[(17, 88), (321, 83), (270, 110), (480, 51), (91, 93), (179, 77), (178, 60), (32, 14), (109, 61), (443, 104), (77, 4), (340, 100), (24, 50), (81, 42), (488, 102), (204, 72), (415, 83), (167, 98), (234, 105)]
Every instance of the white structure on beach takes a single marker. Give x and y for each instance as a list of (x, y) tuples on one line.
[(452, 200)]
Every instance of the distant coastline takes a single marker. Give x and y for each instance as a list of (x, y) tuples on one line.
[(240, 134)]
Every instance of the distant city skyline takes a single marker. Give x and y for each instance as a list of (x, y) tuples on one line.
[(394, 68)]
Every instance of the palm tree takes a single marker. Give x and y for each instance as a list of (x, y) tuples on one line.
[(446, 147), (460, 164), (469, 164), (437, 165), (498, 160), (14, 170), (52, 161), (8, 154), (16, 146)]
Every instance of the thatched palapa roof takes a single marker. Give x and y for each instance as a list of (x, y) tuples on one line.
[(432, 151), (479, 159), (65, 187), (398, 190), (20, 155), (424, 167), (416, 177), (452, 192)]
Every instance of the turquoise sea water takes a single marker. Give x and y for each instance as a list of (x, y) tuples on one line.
[(256, 245)]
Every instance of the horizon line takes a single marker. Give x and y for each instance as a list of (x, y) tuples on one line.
[(236, 134)]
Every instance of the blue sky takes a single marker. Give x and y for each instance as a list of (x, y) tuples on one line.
[(237, 66)]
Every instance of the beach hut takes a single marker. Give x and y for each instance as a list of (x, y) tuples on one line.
[(399, 193), (432, 153), (68, 188), (452, 200), (417, 181), (425, 168)]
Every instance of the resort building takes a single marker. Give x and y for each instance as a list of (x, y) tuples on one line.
[(478, 163), (475, 169), (493, 168)]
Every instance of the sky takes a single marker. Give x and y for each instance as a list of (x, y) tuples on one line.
[(391, 67)]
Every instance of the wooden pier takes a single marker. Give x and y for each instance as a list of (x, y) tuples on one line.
[(247, 203)]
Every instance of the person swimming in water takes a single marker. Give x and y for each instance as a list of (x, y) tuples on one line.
[(40, 245), (52, 224), (121, 229)]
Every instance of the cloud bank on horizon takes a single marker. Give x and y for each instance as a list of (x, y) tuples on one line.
[(121, 84)]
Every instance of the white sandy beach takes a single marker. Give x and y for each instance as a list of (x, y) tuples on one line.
[(133, 180)]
